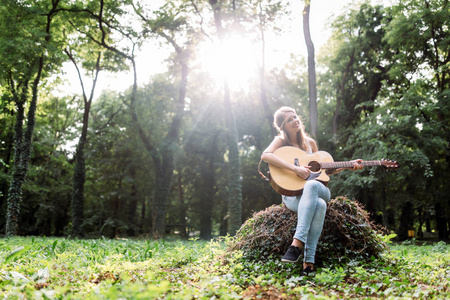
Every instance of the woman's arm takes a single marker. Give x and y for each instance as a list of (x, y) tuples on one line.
[(269, 157)]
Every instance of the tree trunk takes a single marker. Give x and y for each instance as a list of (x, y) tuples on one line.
[(420, 214), (207, 172), (24, 142), (182, 209), (406, 221), (116, 210), (223, 219), (132, 207), (78, 191), (263, 98), (441, 221), (22, 154), (262, 85), (234, 164), (14, 198), (143, 212), (164, 157), (62, 221), (79, 176), (313, 115), (164, 169), (9, 145), (163, 177), (234, 170)]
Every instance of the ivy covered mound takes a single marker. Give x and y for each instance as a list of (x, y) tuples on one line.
[(347, 233)]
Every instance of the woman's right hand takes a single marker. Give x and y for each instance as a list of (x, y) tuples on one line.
[(302, 171)]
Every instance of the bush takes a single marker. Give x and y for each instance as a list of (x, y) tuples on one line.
[(348, 233)]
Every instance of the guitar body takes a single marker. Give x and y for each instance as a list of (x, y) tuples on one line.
[(288, 183)]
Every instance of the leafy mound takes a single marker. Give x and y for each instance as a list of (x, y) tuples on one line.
[(347, 234)]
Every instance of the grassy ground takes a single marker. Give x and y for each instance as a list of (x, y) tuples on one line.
[(51, 268)]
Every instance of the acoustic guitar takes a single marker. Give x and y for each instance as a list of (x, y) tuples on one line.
[(287, 183)]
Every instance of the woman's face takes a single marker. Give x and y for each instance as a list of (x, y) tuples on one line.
[(292, 123)]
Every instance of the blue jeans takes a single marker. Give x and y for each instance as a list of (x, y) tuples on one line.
[(311, 208)]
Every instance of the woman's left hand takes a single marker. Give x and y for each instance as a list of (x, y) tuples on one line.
[(357, 165)]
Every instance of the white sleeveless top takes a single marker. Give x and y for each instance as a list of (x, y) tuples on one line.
[(309, 148)]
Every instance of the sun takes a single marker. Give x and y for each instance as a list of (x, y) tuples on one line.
[(235, 60)]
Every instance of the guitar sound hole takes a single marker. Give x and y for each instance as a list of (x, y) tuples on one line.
[(315, 166)]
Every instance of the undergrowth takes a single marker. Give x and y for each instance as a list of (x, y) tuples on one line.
[(54, 268)]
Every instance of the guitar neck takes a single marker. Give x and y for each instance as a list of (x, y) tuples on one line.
[(349, 164)]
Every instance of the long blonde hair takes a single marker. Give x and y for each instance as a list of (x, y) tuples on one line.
[(279, 120)]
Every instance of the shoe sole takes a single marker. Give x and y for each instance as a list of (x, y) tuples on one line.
[(289, 261)]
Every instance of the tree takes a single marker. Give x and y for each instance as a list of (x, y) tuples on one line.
[(79, 174), (45, 208), (313, 118), (169, 24), (203, 144), (358, 66), (27, 44), (261, 17), (390, 106), (7, 113), (420, 44), (94, 59), (117, 171), (234, 168), (161, 154)]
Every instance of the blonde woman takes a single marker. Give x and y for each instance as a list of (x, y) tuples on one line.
[(311, 206)]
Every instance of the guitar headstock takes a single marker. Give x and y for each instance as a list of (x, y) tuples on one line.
[(389, 165)]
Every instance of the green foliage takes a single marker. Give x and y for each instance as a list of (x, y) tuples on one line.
[(117, 179), (331, 277), (49, 268), (388, 67), (391, 81)]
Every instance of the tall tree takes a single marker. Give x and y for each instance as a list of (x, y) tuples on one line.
[(202, 144), (7, 136), (46, 192), (234, 164), (79, 176), (169, 24), (266, 13), (166, 25), (313, 115), (26, 38), (94, 59)]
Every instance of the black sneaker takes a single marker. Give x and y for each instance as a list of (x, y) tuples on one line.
[(292, 255), (308, 270)]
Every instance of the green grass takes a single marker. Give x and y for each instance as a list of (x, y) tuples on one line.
[(52, 268)]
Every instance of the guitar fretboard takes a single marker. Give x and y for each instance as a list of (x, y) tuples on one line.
[(348, 164)]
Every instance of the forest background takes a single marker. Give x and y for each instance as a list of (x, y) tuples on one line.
[(181, 150)]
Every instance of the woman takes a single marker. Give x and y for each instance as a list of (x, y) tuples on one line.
[(311, 206)]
